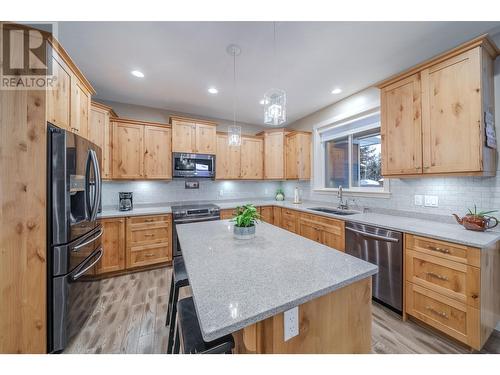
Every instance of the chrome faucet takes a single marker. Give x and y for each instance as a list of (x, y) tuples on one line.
[(342, 205)]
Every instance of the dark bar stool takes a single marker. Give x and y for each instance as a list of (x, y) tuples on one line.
[(179, 280), (188, 329)]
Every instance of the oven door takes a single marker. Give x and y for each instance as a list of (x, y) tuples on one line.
[(193, 165)]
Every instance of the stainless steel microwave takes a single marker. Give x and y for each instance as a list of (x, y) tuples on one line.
[(193, 165)]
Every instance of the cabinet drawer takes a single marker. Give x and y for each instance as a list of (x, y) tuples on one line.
[(150, 235), (452, 279), (289, 224), (447, 250), (449, 316), (154, 219), (148, 254)]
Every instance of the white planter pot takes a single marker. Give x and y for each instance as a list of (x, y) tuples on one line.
[(244, 233)]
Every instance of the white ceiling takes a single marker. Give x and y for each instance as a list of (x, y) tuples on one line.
[(181, 60)]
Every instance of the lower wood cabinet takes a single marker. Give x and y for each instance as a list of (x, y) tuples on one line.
[(453, 288), (113, 243), (266, 214), (149, 240), (277, 216), (133, 242), (289, 220), (226, 214), (329, 232)]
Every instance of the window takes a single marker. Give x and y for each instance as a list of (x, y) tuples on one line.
[(351, 155)]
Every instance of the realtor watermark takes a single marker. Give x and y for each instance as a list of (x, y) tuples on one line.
[(26, 56)]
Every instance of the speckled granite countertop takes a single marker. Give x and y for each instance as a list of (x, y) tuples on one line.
[(431, 228), (236, 283)]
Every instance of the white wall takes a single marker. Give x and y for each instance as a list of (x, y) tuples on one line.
[(138, 112)]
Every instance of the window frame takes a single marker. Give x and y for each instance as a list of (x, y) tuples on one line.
[(319, 159)]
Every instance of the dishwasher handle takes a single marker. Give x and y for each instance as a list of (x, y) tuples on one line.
[(371, 235)]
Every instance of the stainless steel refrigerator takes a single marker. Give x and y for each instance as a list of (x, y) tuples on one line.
[(74, 234)]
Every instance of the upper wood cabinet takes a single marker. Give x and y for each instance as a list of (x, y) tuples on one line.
[(243, 162), (298, 155), (401, 129), (252, 158), (59, 98), (157, 152), (433, 115), (287, 154), (193, 136), (100, 133), (68, 103), (141, 150)]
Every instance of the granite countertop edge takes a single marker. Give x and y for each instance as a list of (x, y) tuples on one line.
[(165, 208), (213, 335)]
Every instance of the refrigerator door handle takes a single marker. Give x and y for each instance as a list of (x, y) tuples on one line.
[(99, 234), (88, 184), (80, 271), (97, 185)]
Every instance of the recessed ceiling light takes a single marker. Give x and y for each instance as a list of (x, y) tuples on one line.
[(213, 90), (336, 91), (137, 73)]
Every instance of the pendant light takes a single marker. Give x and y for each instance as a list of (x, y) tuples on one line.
[(274, 99), (234, 131)]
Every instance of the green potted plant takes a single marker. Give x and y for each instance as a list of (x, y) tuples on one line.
[(244, 221)]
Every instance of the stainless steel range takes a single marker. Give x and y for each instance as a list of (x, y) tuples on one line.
[(192, 213)]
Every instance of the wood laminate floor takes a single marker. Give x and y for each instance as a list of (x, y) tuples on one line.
[(130, 318)]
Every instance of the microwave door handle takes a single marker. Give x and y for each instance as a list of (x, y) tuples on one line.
[(80, 271), (97, 185)]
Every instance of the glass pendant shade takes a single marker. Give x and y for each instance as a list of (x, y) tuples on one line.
[(275, 107), (234, 135)]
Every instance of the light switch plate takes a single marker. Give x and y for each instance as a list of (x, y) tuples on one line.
[(291, 323), (419, 200), (431, 201)]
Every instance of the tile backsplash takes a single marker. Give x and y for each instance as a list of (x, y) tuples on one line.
[(455, 194), (173, 191)]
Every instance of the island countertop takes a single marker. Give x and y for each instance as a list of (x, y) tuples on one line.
[(236, 283)]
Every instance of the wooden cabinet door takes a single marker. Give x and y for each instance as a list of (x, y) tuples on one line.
[(274, 155), (227, 214), (80, 108), (58, 99), (100, 133), (157, 152), (291, 157), (333, 233), (277, 216), (310, 229), (128, 150), (401, 127), (451, 115), (206, 139), (252, 163), (227, 160), (183, 136), (113, 244), (266, 214)]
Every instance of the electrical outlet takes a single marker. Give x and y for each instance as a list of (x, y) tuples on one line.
[(221, 193), (431, 201), (419, 200), (291, 323)]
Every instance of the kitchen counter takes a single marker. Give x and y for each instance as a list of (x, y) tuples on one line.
[(429, 228), (236, 283)]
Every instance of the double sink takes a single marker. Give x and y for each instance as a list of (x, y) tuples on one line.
[(334, 211)]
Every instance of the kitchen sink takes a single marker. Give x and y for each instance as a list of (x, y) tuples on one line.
[(333, 211)]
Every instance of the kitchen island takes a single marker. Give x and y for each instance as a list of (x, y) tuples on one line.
[(243, 287)]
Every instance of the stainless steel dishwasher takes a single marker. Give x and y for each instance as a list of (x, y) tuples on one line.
[(384, 248)]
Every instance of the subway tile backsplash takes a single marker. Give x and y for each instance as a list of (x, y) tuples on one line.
[(455, 194), (151, 192)]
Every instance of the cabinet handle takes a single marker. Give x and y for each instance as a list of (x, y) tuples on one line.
[(438, 249), (149, 220), (442, 314), (149, 235), (435, 275), (149, 255)]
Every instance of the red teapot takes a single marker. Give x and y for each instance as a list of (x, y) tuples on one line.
[(477, 221)]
